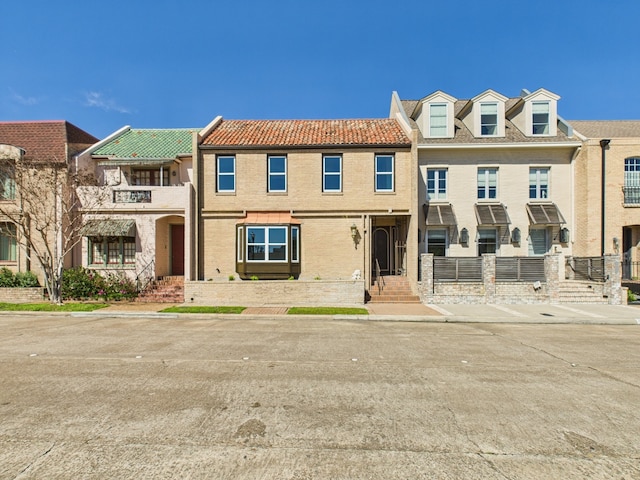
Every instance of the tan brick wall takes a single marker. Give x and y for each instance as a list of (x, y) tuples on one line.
[(21, 295), (274, 292)]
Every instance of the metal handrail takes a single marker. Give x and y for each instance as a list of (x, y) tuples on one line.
[(379, 278), (147, 279)]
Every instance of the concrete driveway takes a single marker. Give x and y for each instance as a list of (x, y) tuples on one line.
[(291, 398)]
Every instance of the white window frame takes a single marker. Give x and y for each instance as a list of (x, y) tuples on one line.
[(546, 125), (272, 175), (326, 175), (220, 174), (438, 193), (484, 183), (496, 125), (267, 243), (295, 247), (537, 183), (444, 128), (379, 173)]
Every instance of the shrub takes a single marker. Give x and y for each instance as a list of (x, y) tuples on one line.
[(20, 279), (119, 287), (7, 279), (80, 283)]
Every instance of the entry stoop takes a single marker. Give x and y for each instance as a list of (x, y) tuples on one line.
[(392, 289), (578, 291), (169, 289)]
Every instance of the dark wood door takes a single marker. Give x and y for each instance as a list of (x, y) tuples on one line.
[(177, 249)]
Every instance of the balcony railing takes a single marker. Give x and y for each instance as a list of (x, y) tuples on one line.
[(631, 195), (132, 196)]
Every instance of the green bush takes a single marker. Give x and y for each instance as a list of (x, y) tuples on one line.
[(118, 287), (20, 279), (81, 283)]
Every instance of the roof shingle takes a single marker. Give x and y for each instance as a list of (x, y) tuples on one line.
[(607, 128), (270, 133), (149, 144)]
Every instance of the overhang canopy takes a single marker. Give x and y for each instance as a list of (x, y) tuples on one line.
[(439, 214), (544, 214), (109, 228), (141, 162), (492, 214), (269, 218)]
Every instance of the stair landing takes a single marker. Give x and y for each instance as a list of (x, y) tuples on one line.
[(169, 289), (393, 289)]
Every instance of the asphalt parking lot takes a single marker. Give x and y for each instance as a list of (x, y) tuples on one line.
[(292, 398)]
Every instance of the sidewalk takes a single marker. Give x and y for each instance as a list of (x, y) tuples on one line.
[(537, 313)]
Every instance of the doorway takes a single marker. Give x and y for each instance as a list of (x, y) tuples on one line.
[(177, 249)]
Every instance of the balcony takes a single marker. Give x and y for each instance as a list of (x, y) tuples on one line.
[(631, 195), (132, 196), (140, 198)]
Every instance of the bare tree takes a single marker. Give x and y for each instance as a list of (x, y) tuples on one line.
[(41, 201)]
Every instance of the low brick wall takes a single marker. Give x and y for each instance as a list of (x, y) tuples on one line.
[(22, 295), (249, 293)]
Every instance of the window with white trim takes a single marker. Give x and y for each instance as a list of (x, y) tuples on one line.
[(538, 183), (268, 252), (488, 119), (438, 120), (540, 118), (436, 183), (632, 180), (487, 183), (331, 173), (277, 173), (266, 244), (384, 173), (226, 173)]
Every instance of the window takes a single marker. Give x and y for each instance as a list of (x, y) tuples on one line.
[(487, 183), (438, 120), (487, 241), (266, 244), (8, 244), (7, 182), (295, 244), (540, 118), (437, 242), (331, 173), (150, 177), (226, 173), (538, 183), (538, 241), (269, 252), (632, 180), (277, 173), (436, 184), (112, 251), (488, 119), (384, 173)]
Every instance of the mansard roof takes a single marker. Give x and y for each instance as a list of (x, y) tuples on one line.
[(306, 133), (148, 144)]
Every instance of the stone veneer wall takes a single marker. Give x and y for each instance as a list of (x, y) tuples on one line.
[(250, 293), (22, 295), (491, 292)]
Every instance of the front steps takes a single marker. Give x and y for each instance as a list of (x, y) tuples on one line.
[(393, 289), (169, 289), (577, 291)]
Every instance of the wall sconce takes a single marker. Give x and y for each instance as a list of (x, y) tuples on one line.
[(516, 236), (616, 244), (464, 236), (564, 235), (174, 173), (355, 235)]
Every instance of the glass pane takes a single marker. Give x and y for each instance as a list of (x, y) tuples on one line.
[(129, 250), (113, 252), (277, 252), (294, 244), (384, 182), (277, 183), (332, 164), (332, 183), (226, 183), (540, 107), (255, 252), (488, 108), (278, 235), (226, 164), (277, 164), (255, 235), (384, 163)]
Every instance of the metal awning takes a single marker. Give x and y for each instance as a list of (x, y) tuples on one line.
[(439, 214), (269, 218), (492, 214), (109, 228), (544, 214), (140, 162)]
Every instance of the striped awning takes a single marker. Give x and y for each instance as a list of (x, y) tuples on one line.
[(544, 214), (269, 218), (439, 214), (492, 214), (109, 228)]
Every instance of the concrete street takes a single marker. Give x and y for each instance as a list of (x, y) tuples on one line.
[(107, 396)]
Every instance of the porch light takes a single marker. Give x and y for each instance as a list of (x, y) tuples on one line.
[(516, 236), (354, 232), (464, 236), (564, 235)]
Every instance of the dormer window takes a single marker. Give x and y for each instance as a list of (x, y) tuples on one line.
[(540, 118), (488, 119), (438, 120)]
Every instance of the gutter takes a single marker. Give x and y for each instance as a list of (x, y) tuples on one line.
[(604, 145), (450, 146)]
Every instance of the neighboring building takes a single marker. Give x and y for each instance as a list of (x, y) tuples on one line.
[(143, 178), (495, 173), (46, 148), (305, 200), (616, 144)]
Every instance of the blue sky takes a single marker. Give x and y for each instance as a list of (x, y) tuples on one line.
[(169, 64)]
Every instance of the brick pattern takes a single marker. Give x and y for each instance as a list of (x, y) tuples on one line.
[(22, 295), (169, 289), (392, 289)]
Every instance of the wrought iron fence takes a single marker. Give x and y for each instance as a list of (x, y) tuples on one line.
[(630, 270)]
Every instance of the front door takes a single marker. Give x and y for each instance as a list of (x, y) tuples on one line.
[(627, 248), (382, 250), (177, 249)]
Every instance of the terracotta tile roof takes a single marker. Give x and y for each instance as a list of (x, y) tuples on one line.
[(606, 128), (46, 141), (289, 133), (149, 144)]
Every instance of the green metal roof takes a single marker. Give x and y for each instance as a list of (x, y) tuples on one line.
[(149, 144)]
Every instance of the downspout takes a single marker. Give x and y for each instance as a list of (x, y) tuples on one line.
[(604, 144)]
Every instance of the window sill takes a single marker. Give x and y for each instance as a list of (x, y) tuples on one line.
[(384, 192), (277, 194), (335, 194), (102, 266), (631, 205), (226, 194)]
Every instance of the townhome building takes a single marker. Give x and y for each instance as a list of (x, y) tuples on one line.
[(318, 209), (37, 160), (608, 191), (143, 219)]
